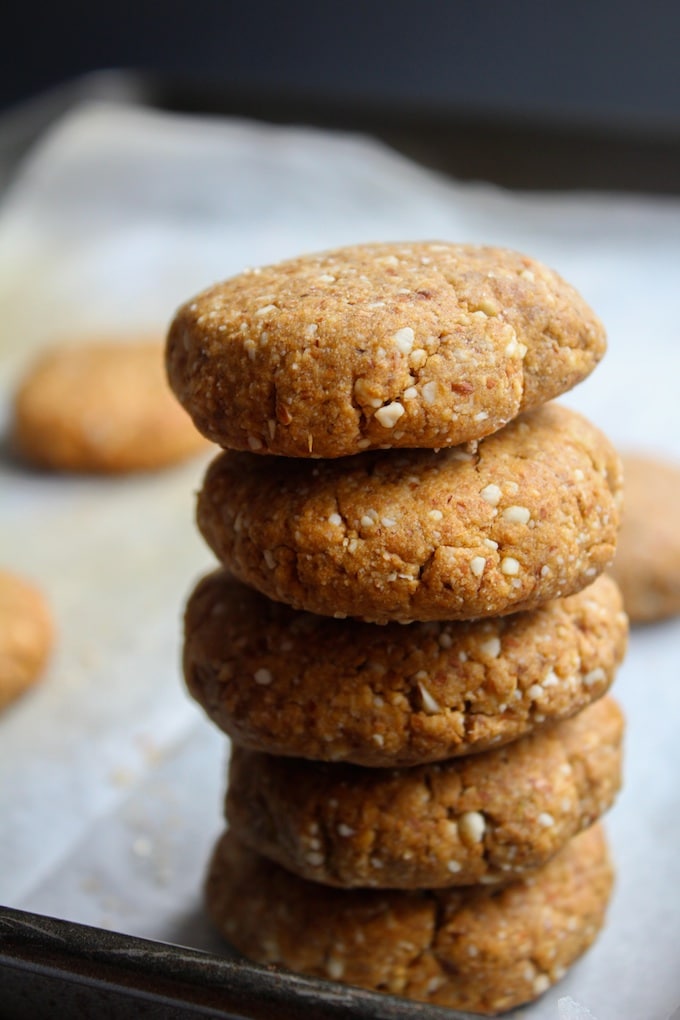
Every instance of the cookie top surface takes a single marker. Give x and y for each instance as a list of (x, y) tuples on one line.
[(647, 563), (408, 345), (482, 818), (529, 515), (481, 949), (101, 406), (26, 635), (308, 686)]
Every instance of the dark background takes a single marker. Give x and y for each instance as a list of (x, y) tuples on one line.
[(525, 93), (595, 62)]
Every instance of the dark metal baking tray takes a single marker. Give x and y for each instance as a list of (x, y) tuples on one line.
[(52, 968)]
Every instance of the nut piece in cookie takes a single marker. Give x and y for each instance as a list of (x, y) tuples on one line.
[(422, 345), (529, 514), (482, 949), (26, 636), (647, 563), (308, 686), (101, 407), (486, 818)]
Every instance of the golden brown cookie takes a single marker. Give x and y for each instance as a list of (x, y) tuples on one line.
[(101, 407), (407, 345), (479, 819), (482, 949), (292, 683), (647, 564), (529, 515), (26, 636)]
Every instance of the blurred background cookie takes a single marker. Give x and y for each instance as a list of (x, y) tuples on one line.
[(647, 563), (101, 406), (26, 636)]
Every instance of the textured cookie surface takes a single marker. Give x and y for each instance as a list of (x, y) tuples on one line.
[(483, 818), (647, 563), (292, 683), (479, 949), (529, 515), (418, 345), (25, 636), (101, 407)]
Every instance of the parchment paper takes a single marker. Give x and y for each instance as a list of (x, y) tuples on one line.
[(110, 779)]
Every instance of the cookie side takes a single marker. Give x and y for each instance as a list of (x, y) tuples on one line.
[(292, 683), (419, 345), (475, 949), (480, 819), (529, 515)]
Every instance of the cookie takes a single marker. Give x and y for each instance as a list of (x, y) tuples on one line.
[(292, 683), (482, 949), (529, 515), (482, 818), (647, 563), (26, 636), (406, 345), (101, 407)]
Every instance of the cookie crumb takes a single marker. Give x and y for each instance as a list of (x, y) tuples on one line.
[(472, 826)]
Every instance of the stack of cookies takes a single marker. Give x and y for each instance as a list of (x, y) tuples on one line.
[(409, 641)]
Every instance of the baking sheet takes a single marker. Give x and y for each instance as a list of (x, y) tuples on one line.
[(110, 779)]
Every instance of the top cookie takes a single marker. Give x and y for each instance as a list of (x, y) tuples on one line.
[(406, 345)]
